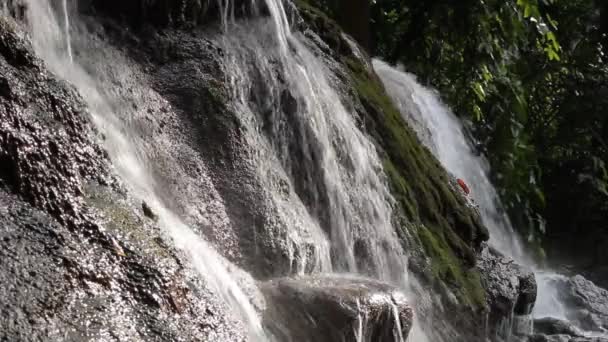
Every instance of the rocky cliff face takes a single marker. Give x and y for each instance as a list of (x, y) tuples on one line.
[(79, 259), (97, 263)]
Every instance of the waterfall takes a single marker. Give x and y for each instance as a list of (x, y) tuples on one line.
[(352, 181), (284, 96), (129, 161), (441, 131), (331, 196)]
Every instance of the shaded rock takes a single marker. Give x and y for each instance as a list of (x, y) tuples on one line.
[(587, 303), (165, 13), (148, 211), (510, 287), (590, 301), (552, 338), (335, 308), (554, 326)]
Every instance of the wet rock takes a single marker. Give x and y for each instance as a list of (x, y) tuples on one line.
[(148, 211), (47, 149), (510, 287), (191, 78), (76, 261), (554, 326), (590, 301), (335, 308)]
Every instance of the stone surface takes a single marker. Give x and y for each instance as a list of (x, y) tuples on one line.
[(587, 313), (77, 259), (590, 301), (510, 287), (336, 308), (554, 326)]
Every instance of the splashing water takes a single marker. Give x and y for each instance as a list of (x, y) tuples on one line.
[(48, 41), (549, 304)]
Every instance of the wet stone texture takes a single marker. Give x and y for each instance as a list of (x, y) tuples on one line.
[(336, 308), (511, 290), (79, 260), (590, 301)]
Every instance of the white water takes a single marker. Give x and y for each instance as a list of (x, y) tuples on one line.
[(49, 42), (441, 131), (549, 304), (66, 27), (358, 202)]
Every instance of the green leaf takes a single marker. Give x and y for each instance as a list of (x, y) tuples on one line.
[(479, 91), (477, 114)]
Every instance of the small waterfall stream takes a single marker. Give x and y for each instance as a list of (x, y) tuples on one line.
[(441, 131)]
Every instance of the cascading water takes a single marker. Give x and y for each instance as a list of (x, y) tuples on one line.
[(49, 42), (284, 98), (441, 131), (443, 134), (333, 197)]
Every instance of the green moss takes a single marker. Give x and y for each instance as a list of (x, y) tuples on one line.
[(120, 218), (401, 190), (447, 267)]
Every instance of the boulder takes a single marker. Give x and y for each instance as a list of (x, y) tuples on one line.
[(511, 290), (590, 303), (587, 303), (554, 326), (327, 308)]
